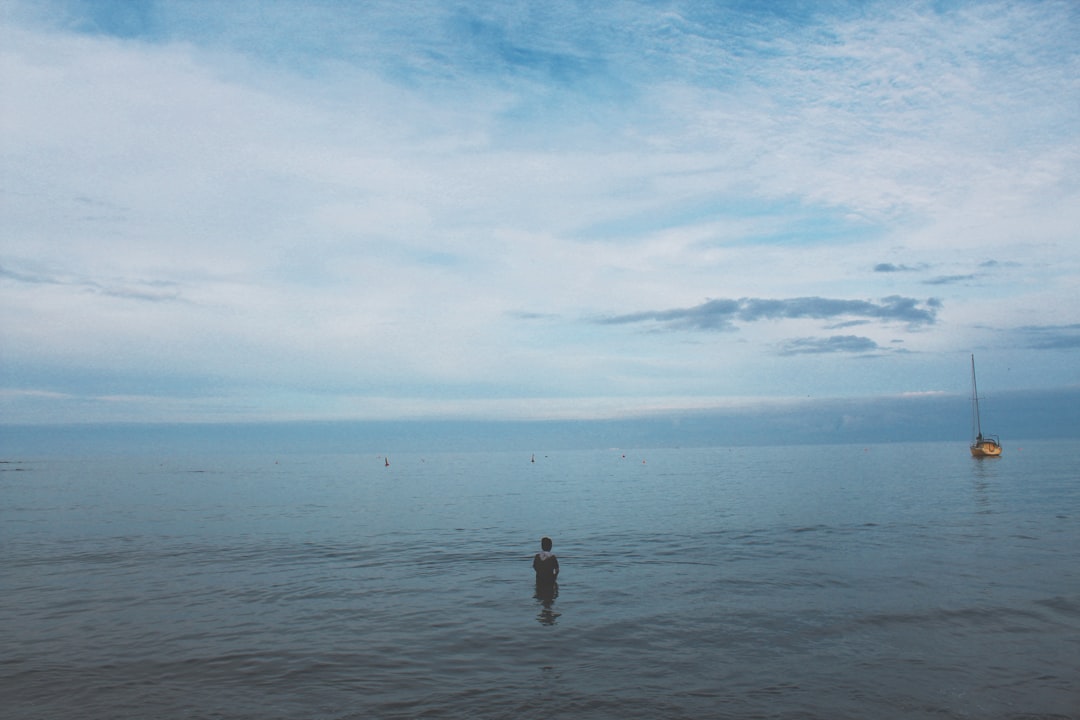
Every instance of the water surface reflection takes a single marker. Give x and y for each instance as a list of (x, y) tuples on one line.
[(545, 595)]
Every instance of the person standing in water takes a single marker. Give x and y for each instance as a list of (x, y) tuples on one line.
[(546, 564)]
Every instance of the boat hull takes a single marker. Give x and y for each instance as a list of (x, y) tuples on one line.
[(986, 448)]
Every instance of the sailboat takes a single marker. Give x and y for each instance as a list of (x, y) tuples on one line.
[(981, 446)]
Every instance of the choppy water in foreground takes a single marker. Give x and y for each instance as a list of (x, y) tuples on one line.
[(889, 581)]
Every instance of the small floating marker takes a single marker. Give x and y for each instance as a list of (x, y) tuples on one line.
[(387, 461), (533, 458)]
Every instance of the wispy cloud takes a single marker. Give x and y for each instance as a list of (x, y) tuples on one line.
[(950, 279), (835, 344), (520, 315), (29, 278), (1051, 337), (892, 268), (143, 290), (726, 314)]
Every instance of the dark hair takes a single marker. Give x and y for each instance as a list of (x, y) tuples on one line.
[(545, 543)]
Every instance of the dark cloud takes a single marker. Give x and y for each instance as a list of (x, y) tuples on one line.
[(724, 314), (710, 315), (996, 264), (845, 324), (949, 279), (155, 293), (30, 278), (1052, 337), (151, 291), (834, 344), (890, 268)]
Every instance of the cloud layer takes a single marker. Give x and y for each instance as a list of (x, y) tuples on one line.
[(383, 210), (724, 314)]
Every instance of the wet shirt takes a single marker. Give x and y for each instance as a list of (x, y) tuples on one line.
[(546, 566)]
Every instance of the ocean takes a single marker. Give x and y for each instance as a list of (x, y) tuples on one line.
[(845, 581)]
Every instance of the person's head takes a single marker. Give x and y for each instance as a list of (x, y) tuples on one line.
[(545, 544)]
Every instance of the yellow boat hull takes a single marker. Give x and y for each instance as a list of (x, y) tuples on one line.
[(986, 448)]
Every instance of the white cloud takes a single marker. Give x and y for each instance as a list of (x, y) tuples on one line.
[(366, 204)]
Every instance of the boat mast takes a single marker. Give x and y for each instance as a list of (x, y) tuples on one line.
[(975, 402)]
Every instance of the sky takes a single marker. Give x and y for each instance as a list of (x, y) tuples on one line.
[(291, 211)]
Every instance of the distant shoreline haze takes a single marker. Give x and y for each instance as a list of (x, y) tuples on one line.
[(1014, 416)]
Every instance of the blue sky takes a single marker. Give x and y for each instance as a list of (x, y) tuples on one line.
[(324, 210)]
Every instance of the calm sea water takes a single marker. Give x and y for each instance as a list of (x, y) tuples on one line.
[(889, 581)]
